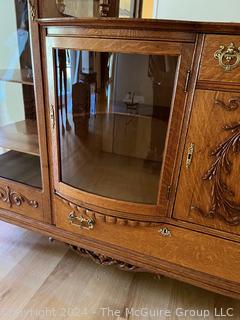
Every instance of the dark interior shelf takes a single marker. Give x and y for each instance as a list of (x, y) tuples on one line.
[(21, 167)]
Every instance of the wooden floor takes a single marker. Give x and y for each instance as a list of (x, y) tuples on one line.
[(43, 280)]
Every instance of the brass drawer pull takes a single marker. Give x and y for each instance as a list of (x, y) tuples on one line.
[(81, 222), (228, 57), (165, 232), (190, 155)]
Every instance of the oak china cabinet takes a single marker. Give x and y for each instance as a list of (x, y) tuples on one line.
[(121, 137)]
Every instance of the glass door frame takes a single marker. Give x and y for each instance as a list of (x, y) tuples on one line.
[(16, 196), (185, 53)]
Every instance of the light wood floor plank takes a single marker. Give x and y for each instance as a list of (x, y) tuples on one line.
[(15, 250), (21, 283), (79, 288)]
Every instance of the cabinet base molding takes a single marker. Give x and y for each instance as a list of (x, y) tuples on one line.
[(150, 264)]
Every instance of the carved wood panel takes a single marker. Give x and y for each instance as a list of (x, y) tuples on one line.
[(208, 192), (13, 198), (21, 199)]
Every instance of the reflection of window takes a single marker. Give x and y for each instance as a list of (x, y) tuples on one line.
[(130, 8), (76, 8), (125, 9)]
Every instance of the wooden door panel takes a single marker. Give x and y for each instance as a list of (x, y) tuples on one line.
[(208, 191)]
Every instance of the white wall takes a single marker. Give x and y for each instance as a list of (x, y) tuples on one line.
[(11, 96), (132, 76), (8, 35), (198, 10)]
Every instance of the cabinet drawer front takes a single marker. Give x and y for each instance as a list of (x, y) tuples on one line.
[(221, 59), (21, 199), (185, 248)]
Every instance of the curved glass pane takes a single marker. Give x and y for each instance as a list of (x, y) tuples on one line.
[(113, 111)]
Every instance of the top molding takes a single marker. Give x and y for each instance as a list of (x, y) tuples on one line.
[(144, 24)]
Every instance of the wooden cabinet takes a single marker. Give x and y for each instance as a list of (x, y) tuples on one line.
[(137, 145)]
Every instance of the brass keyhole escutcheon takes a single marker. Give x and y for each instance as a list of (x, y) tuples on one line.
[(190, 155), (165, 232)]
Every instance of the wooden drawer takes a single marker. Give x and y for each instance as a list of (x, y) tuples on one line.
[(211, 68), (185, 248), (21, 199)]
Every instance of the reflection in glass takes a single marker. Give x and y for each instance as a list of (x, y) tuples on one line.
[(136, 9), (127, 8), (78, 8), (19, 150), (113, 114), (107, 8)]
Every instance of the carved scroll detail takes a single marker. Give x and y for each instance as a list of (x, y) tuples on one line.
[(14, 198), (222, 205), (232, 105), (104, 260)]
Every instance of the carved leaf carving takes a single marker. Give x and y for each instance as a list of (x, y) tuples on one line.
[(222, 204), (104, 260)]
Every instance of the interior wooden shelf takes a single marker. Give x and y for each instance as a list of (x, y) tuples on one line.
[(18, 76), (21, 167), (112, 158), (20, 136)]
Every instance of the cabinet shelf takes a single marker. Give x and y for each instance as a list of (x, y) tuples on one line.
[(20, 136), (98, 175), (16, 76), (21, 167)]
